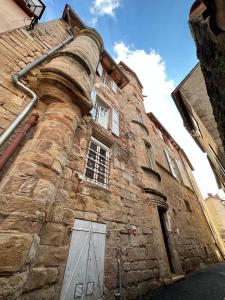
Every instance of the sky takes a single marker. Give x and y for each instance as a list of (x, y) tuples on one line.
[(152, 38)]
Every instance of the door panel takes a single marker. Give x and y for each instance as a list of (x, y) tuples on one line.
[(83, 278)]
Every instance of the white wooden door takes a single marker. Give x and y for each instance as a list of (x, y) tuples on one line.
[(83, 278)]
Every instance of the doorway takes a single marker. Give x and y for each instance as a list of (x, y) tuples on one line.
[(166, 239), (83, 278)]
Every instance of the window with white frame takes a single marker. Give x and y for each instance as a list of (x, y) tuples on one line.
[(97, 163), (100, 113)]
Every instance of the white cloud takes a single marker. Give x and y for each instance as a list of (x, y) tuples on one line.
[(100, 8), (151, 70)]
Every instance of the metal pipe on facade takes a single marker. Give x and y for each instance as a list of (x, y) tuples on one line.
[(16, 79), (18, 139)]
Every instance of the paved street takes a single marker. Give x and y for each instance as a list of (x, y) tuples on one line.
[(205, 284)]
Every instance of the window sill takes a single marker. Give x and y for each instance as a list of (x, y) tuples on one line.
[(142, 125), (94, 185)]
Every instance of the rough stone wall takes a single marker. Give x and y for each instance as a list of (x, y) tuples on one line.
[(209, 41), (43, 190), (188, 234)]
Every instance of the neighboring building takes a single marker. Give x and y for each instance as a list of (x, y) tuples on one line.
[(193, 103), (216, 209), (98, 191), (207, 23), (19, 13)]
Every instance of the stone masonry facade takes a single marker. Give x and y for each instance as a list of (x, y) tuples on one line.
[(43, 187)]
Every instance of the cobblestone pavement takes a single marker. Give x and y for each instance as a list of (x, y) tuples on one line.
[(205, 284)]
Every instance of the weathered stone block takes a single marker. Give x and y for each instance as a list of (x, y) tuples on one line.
[(42, 294), (51, 256), (11, 287), (52, 234), (39, 277), (15, 248)]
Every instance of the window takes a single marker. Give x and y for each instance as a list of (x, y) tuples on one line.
[(196, 131), (100, 114), (187, 205), (100, 70), (139, 116), (148, 151), (107, 81), (115, 123), (97, 164), (161, 135)]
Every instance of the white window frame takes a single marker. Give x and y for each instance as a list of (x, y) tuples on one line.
[(97, 163), (99, 106)]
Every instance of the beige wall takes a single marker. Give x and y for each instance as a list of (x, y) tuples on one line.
[(11, 16), (217, 213)]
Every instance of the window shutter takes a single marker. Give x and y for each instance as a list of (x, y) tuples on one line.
[(114, 87), (183, 173), (100, 70), (93, 95), (170, 163), (115, 123)]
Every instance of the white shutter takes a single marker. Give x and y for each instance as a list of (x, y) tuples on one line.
[(114, 87), (93, 95), (183, 173), (84, 274), (170, 163), (115, 122), (100, 70)]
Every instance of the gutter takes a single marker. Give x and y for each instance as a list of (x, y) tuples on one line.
[(16, 79)]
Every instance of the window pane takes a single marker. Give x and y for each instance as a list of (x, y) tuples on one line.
[(103, 116), (101, 178), (91, 164), (92, 154), (93, 146), (89, 173)]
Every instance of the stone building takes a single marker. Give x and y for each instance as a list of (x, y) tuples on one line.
[(193, 103), (207, 23), (216, 209), (96, 198)]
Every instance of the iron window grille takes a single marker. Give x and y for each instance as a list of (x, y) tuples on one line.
[(97, 163)]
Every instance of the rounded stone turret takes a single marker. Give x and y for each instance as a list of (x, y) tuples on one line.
[(74, 68)]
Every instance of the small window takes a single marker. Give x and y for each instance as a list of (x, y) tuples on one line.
[(100, 114), (149, 157), (139, 116), (107, 81), (97, 163), (100, 70), (161, 135), (187, 205)]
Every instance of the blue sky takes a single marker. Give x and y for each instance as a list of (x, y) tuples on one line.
[(153, 38), (161, 25)]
